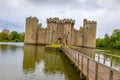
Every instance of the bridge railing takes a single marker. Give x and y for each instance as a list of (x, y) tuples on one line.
[(103, 57), (93, 70), (111, 59)]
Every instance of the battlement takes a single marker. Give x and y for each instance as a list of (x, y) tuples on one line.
[(85, 21), (69, 21), (32, 19), (52, 20), (57, 20)]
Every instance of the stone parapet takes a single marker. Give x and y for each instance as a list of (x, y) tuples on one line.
[(69, 21), (57, 20), (52, 20), (85, 21), (32, 18)]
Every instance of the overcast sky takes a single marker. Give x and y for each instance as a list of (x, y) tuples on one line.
[(105, 12)]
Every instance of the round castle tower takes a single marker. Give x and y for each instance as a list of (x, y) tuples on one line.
[(89, 33), (30, 30)]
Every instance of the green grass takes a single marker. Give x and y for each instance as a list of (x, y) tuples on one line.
[(54, 45), (59, 46)]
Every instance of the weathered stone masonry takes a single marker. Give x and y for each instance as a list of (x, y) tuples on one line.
[(60, 32)]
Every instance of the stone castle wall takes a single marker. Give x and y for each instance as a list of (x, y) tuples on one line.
[(60, 32), (30, 31), (78, 38), (89, 33)]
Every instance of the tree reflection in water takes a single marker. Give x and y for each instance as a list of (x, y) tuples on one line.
[(54, 63)]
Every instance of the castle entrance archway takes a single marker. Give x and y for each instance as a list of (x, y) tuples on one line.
[(59, 40)]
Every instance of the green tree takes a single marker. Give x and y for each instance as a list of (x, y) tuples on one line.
[(106, 40), (99, 42), (4, 35), (112, 41), (15, 36), (115, 38)]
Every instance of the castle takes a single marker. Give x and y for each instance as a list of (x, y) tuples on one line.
[(60, 32)]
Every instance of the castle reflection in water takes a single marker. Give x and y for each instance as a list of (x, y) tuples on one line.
[(53, 62)]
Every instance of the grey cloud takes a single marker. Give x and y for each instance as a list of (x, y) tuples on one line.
[(76, 4), (100, 10), (52, 1), (10, 25)]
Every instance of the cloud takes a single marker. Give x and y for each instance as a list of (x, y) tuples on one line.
[(68, 4), (105, 12), (11, 26)]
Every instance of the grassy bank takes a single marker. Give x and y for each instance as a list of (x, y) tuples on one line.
[(54, 47), (112, 51), (57, 47)]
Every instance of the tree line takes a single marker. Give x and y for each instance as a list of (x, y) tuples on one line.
[(109, 41), (13, 36)]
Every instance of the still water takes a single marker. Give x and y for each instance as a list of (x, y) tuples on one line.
[(28, 62)]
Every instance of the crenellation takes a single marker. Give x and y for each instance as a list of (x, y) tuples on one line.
[(32, 20), (57, 20), (90, 22), (70, 21), (52, 20), (85, 21)]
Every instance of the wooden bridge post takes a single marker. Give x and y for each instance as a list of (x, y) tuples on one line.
[(98, 57), (88, 69), (111, 61), (81, 67), (104, 60), (111, 75), (75, 60), (96, 72), (119, 67), (78, 60), (74, 56)]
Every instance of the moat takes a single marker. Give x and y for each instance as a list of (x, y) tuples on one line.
[(29, 62)]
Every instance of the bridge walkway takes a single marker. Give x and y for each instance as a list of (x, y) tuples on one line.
[(93, 70)]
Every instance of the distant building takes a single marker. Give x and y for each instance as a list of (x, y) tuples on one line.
[(60, 32)]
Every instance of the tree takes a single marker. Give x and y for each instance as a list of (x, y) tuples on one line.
[(15, 36), (112, 41), (99, 42), (6, 31), (106, 40), (5, 34), (115, 38)]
